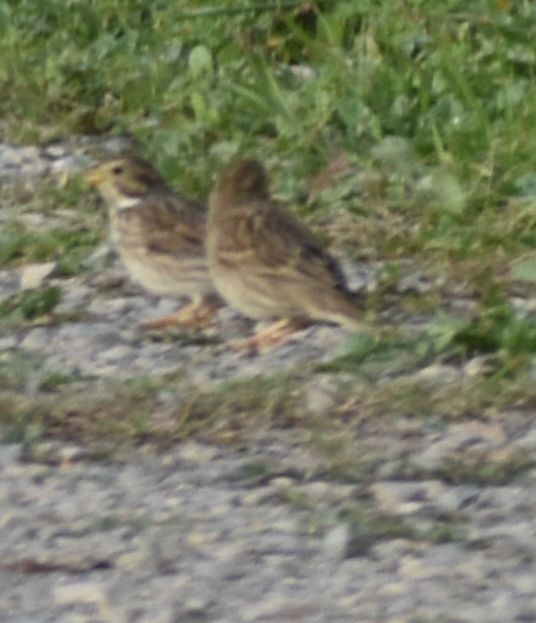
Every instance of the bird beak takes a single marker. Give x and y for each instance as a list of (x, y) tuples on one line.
[(94, 177)]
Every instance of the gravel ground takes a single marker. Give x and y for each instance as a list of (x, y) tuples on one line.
[(255, 532)]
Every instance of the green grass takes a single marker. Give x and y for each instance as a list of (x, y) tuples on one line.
[(433, 102), (159, 412), (45, 223), (20, 244), (156, 411), (30, 304), (455, 80), (438, 100), (67, 227)]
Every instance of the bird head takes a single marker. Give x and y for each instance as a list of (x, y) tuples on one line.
[(243, 180), (125, 180)]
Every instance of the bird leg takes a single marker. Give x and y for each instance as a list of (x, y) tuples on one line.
[(197, 314), (271, 336)]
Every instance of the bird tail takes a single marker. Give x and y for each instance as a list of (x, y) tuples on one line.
[(341, 310), (350, 322)]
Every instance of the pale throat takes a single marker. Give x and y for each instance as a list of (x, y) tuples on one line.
[(123, 202)]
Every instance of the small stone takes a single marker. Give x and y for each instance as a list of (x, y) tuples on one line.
[(7, 342), (524, 584), (347, 541), (55, 151), (406, 498), (414, 568), (75, 297), (526, 443), (197, 453), (9, 283), (523, 305), (393, 589), (101, 257), (197, 539), (68, 164), (480, 366), (115, 353), (327, 492), (321, 395), (197, 605), (359, 277), (304, 72), (84, 592), (50, 452), (438, 374), (281, 482), (414, 282), (336, 542), (255, 497), (131, 560), (33, 275)]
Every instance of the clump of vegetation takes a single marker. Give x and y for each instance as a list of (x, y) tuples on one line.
[(156, 411), (20, 244), (49, 222), (30, 304)]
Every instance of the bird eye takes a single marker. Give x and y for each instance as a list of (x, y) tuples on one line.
[(117, 170)]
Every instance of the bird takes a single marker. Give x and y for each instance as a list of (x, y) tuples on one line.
[(267, 264), (159, 236)]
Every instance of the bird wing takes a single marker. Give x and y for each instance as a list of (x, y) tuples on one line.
[(172, 225), (271, 243)]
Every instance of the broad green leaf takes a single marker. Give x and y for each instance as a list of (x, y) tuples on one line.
[(200, 61), (525, 270)]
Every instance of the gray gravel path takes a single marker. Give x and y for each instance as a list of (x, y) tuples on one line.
[(189, 536)]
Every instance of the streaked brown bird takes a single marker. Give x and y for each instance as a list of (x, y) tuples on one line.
[(159, 235), (268, 265)]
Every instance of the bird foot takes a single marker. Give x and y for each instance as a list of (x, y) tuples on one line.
[(271, 337), (196, 315)]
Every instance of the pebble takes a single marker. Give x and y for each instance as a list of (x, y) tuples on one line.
[(33, 275), (406, 498), (321, 395), (7, 342), (9, 283), (345, 540), (438, 375), (18, 162), (479, 366), (197, 452), (85, 592)]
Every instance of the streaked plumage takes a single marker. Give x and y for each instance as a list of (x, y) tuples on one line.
[(265, 263), (158, 233)]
